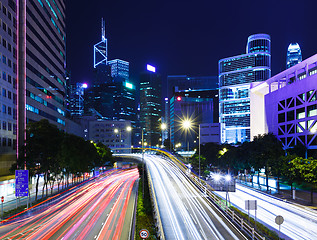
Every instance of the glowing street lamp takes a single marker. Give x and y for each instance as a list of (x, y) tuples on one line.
[(186, 124), (117, 131)]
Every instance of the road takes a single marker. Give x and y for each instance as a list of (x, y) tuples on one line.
[(299, 222), (184, 211), (99, 209)]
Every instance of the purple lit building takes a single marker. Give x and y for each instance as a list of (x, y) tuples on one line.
[(286, 105)]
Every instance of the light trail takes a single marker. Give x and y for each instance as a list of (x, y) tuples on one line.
[(80, 213), (299, 222), (184, 211)]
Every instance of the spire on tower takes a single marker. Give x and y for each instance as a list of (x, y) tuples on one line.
[(103, 30)]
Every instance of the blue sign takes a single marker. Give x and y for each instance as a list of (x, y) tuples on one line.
[(96, 173), (21, 183)]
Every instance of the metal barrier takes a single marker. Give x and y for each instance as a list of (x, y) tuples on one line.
[(157, 217)]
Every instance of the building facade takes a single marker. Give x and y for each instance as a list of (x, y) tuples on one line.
[(294, 55), (112, 133), (150, 107), (33, 66), (286, 105), (235, 75), (196, 106), (119, 69), (8, 89)]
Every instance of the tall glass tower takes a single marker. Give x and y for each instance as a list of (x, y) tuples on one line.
[(294, 55), (235, 75)]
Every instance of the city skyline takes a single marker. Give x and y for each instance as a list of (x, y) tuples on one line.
[(164, 35)]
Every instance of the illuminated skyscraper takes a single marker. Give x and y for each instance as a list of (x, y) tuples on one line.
[(119, 69), (41, 57), (8, 86), (150, 97), (294, 55), (235, 75)]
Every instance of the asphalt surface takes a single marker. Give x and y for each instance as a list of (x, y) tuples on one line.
[(99, 209)]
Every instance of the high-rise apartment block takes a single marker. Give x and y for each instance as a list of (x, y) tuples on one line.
[(235, 75), (294, 55)]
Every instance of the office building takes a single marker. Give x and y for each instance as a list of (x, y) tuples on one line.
[(115, 134), (197, 106), (42, 62), (286, 105), (8, 89), (76, 99), (294, 55), (119, 69), (112, 95), (151, 107), (114, 100), (235, 75), (32, 71)]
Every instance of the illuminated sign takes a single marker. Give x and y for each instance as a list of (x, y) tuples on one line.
[(129, 85), (150, 68)]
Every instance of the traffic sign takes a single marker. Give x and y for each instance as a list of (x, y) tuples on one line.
[(144, 233), (279, 220), (21, 183), (250, 205)]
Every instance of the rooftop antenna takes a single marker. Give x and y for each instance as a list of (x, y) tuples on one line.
[(103, 30)]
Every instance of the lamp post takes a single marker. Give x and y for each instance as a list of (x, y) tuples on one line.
[(128, 129), (187, 124)]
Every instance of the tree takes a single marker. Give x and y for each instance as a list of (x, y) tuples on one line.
[(105, 154), (307, 169), (267, 149), (39, 154)]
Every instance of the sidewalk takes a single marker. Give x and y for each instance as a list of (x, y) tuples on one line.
[(302, 197)]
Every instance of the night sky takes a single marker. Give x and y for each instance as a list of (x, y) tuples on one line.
[(185, 37)]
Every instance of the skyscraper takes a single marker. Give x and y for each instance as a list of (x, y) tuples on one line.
[(197, 106), (112, 95), (294, 55), (41, 63), (235, 75), (8, 83), (119, 69), (150, 97)]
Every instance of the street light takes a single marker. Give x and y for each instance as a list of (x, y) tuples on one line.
[(116, 130), (164, 127), (187, 125)]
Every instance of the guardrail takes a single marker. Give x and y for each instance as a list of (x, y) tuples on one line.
[(238, 221), (157, 216)]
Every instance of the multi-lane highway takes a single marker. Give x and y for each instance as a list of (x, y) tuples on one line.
[(299, 222), (99, 209), (184, 211)]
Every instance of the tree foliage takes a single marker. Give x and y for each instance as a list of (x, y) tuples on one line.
[(55, 154)]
